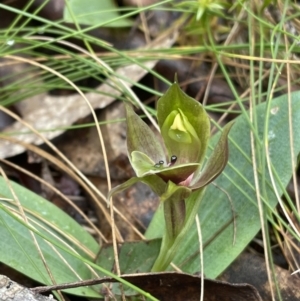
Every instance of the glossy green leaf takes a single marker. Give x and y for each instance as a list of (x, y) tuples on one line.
[(19, 252), (238, 181), (97, 12)]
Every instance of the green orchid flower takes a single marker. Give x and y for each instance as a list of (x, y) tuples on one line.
[(172, 164)]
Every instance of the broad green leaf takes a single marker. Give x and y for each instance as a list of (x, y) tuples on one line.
[(95, 12), (17, 247), (134, 257), (238, 181)]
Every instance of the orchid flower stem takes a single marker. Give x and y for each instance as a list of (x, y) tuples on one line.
[(179, 217), (174, 211), (165, 255)]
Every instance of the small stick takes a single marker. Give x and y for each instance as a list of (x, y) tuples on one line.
[(42, 289)]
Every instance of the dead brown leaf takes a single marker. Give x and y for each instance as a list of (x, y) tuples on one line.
[(183, 287), (172, 286)]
